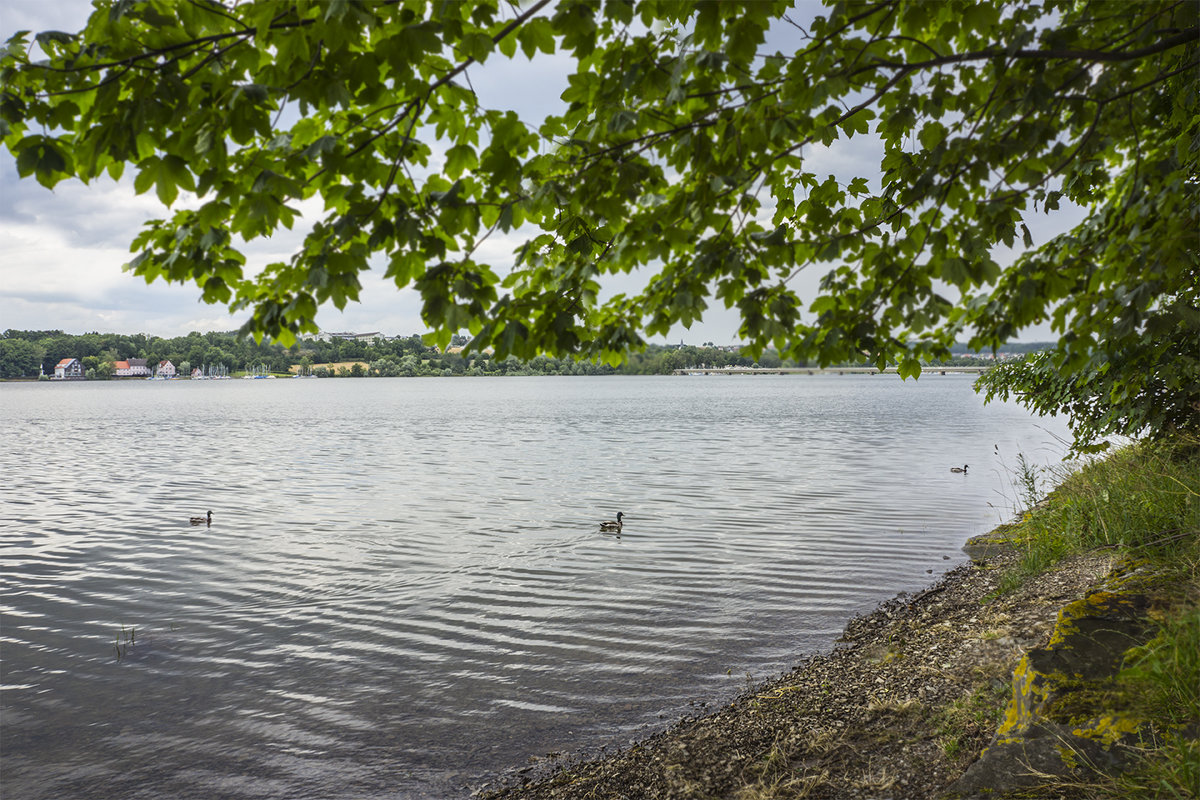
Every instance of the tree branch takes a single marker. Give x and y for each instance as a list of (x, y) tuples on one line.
[(1187, 36)]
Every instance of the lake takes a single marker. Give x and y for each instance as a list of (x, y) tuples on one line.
[(405, 591)]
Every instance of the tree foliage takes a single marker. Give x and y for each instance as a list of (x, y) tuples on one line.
[(19, 358), (1147, 385), (690, 152)]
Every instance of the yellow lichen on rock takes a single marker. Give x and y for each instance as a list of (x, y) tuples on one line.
[(1112, 598), (1108, 729), (1069, 757), (1030, 692), (1056, 722)]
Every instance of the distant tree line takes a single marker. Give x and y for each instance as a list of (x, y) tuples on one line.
[(24, 353)]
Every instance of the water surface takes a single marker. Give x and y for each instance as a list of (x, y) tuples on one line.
[(404, 590)]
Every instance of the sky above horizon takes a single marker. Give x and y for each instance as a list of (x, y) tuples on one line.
[(64, 249)]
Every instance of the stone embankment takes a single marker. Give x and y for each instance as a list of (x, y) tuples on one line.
[(951, 692)]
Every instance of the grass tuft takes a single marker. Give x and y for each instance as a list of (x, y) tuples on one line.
[(1144, 499), (1162, 679)]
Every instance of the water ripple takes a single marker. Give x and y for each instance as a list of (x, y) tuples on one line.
[(404, 588)]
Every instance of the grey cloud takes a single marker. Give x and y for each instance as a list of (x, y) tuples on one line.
[(99, 215)]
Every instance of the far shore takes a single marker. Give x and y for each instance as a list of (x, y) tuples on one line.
[(297, 369)]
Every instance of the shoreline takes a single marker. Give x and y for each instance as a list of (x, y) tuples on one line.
[(908, 699)]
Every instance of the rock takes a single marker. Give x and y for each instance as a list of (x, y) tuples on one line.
[(1025, 763), (986, 546), (1050, 727)]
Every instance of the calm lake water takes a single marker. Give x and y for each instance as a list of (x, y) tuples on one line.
[(404, 591)]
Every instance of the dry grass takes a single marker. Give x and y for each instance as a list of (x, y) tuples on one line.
[(777, 775)]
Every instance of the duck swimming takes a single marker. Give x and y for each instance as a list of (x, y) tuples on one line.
[(609, 525), (963, 468), (202, 520)]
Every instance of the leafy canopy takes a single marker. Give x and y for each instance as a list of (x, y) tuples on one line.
[(689, 151)]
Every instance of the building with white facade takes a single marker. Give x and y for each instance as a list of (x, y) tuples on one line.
[(68, 369)]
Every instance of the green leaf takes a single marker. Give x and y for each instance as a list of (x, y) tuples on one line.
[(477, 46), (536, 35), (336, 9), (44, 158), (932, 134), (460, 159)]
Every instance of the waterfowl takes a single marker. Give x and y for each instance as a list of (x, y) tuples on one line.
[(202, 520), (609, 525), (963, 468)]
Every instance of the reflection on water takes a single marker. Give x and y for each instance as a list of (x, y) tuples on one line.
[(404, 589)]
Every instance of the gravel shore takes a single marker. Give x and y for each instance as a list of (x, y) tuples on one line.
[(905, 702)]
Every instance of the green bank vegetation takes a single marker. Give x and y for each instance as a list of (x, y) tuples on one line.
[(22, 353), (1143, 503)]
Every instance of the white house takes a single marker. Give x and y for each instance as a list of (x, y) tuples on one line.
[(139, 368), (349, 336), (329, 336), (67, 369), (165, 369)]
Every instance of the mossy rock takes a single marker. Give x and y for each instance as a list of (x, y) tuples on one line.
[(1056, 723), (985, 546)]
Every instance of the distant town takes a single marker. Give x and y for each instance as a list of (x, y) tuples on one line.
[(57, 356)]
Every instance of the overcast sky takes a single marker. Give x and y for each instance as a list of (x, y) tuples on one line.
[(62, 250)]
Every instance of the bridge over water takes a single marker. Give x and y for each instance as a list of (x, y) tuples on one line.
[(820, 371)]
